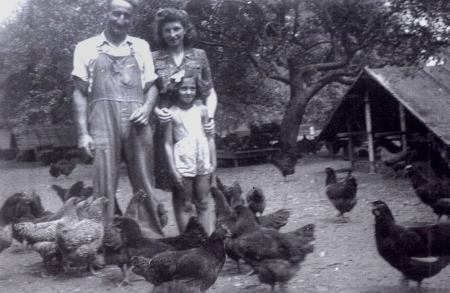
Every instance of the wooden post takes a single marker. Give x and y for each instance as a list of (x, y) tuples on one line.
[(401, 109), (350, 146), (369, 133)]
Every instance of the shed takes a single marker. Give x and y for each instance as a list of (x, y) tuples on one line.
[(45, 138), (395, 103)]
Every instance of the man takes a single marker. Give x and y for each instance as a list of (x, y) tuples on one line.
[(114, 96)]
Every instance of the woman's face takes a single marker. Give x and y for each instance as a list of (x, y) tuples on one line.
[(187, 91), (173, 33)]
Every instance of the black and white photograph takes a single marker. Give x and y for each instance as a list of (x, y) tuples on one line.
[(225, 146)]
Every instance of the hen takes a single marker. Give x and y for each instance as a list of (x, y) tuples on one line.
[(402, 247), (285, 159), (123, 239), (80, 242), (274, 256), (63, 166), (232, 193), (76, 190), (256, 200), (43, 235), (397, 161), (274, 220), (342, 194), (432, 192), (198, 267)]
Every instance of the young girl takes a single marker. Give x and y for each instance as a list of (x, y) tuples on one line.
[(190, 153)]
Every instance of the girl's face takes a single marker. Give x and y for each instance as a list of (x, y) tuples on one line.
[(173, 33), (187, 91)]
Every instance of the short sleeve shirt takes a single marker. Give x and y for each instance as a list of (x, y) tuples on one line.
[(86, 52), (194, 59)]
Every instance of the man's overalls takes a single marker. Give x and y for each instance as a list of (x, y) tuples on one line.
[(116, 91)]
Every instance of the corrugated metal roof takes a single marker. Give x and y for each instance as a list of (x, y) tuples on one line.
[(425, 92)]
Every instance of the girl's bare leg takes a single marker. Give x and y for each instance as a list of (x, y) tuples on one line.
[(202, 201), (182, 203)]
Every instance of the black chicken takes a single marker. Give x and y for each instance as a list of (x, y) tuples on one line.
[(198, 267), (342, 194), (78, 189), (123, 239), (256, 200), (432, 192), (285, 162), (402, 247), (274, 220), (232, 193), (63, 166), (274, 256)]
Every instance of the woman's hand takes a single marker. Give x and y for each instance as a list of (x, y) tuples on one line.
[(209, 127), (164, 115)]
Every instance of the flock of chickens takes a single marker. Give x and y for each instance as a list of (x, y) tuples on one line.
[(77, 238)]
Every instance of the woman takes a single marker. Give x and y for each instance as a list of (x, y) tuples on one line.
[(175, 33)]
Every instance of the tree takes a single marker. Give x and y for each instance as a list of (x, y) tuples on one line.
[(309, 45)]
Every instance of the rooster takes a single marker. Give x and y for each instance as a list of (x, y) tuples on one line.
[(342, 194), (256, 200)]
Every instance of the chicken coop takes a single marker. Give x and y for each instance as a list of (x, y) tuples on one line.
[(395, 107), (42, 140)]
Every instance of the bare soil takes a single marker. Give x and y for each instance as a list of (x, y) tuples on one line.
[(345, 257)]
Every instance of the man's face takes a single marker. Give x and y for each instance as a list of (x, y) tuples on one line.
[(119, 17)]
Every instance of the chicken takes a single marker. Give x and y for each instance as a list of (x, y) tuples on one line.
[(63, 166), (138, 209), (432, 192), (397, 161), (79, 243), (286, 159), (274, 220), (274, 256), (46, 231), (76, 190), (238, 220), (123, 239), (256, 200), (405, 248), (232, 193), (342, 194), (199, 267), (5, 236)]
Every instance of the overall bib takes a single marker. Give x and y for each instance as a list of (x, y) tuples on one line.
[(115, 94)]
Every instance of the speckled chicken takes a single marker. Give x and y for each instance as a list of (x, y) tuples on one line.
[(79, 243), (198, 267), (342, 194)]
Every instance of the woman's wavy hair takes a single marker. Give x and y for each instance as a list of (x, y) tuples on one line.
[(166, 15)]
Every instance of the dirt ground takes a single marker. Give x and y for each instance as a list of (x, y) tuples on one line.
[(345, 259)]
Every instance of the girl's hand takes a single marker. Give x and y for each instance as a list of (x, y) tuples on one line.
[(179, 180)]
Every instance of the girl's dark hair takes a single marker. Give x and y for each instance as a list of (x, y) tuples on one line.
[(199, 83), (166, 15)]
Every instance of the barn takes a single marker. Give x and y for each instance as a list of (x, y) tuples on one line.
[(401, 106)]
